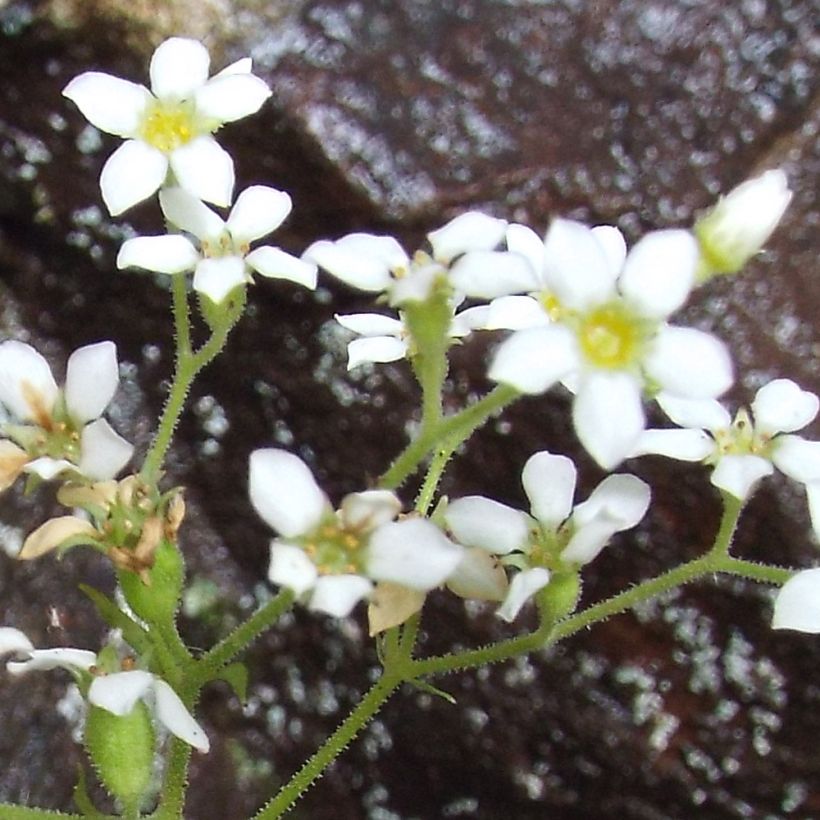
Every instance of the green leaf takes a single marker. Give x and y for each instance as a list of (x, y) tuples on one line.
[(134, 635), (236, 676)]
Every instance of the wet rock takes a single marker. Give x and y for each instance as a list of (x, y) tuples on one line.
[(394, 117)]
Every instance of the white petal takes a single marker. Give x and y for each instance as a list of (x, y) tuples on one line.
[(478, 576), (103, 452), (608, 416), (659, 272), (290, 567), (588, 541), (412, 552), (813, 498), (689, 363), (738, 474), (230, 97), (549, 482), (370, 324), (47, 468), (173, 715), (522, 587), (417, 285), (361, 260), (241, 66), (12, 461), (170, 253), (178, 67), (60, 658), (613, 244), (534, 359), (205, 169), (525, 241), (375, 349), (797, 605), (258, 210), (476, 521), (54, 532), (624, 499), (702, 414), (113, 105), (469, 231), (515, 313), (184, 211), (216, 278), (466, 321), (369, 509), (27, 387), (132, 173), (577, 266), (284, 492), (782, 407), (488, 274), (119, 692), (277, 264), (684, 445), (338, 594), (92, 378), (14, 642), (797, 457)]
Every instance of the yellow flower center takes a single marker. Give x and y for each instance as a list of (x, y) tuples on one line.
[(167, 126), (335, 550), (611, 336)]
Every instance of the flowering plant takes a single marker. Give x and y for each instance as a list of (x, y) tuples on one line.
[(581, 313)]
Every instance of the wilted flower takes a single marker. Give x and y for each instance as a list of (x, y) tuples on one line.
[(170, 126)]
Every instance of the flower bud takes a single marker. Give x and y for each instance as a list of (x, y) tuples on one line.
[(737, 227)]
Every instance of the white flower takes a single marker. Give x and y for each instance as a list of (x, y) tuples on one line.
[(56, 430), (380, 264), (735, 229), (797, 605), (224, 257), (745, 449), (333, 557), (609, 341), (117, 693), (170, 126), (555, 533)]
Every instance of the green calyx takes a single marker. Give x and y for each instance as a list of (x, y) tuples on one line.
[(154, 594)]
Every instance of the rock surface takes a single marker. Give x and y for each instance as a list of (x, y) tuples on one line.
[(394, 117)]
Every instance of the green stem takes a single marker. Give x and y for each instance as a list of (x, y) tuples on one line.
[(331, 749), (10, 812), (175, 782), (244, 634)]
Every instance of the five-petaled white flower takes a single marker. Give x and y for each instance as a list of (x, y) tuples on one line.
[(797, 605), (51, 430), (117, 692), (380, 264), (333, 556), (608, 340), (554, 535), (224, 257), (170, 126), (745, 449)]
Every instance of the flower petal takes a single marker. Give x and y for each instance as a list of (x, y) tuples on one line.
[(369, 509), (173, 715), (27, 387), (797, 605), (216, 278), (113, 105), (515, 313), (119, 692), (488, 274), (47, 467), (701, 414), (12, 462), (290, 567), (412, 552), (170, 253), (684, 445), (56, 531), (188, 213), (526, 242), (258, 210), (230, 97), (738, 474), (361, 260), (613, 244), (624, 499), (476, 521), (92, 378), (471, 231), (14, 642), (391, 605), (549, 482), (276, 264), (522, 587), (534, 359), (689, 363), (205, 169), (370, 324), (41, 660), (659, 272), (608, 416), (782, 407), (375, 349), (284, 492), (338, 594), (178, 67), (132, 173), (103, 452), (479, 576), (797, 457), (588, 541), (813, 498)]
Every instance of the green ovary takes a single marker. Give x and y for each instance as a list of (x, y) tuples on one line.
[(611, 337), (168, 126)]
